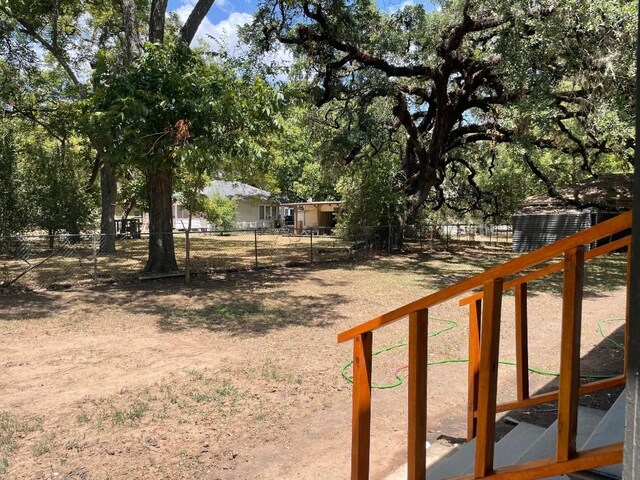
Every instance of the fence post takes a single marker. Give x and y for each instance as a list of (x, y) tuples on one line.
[(95, 258), (311, 244), (255, 242)]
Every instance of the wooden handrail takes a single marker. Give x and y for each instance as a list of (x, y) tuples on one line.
[(555, 267), (484, 336), (519, 284), (609, 227)]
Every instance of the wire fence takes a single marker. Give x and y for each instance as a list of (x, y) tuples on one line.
[(62, 261)]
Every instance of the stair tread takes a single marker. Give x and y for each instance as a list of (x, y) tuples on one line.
[(595, 428), (545, 445), (506, 453), (511, 446), (609, 430), (454, 464)]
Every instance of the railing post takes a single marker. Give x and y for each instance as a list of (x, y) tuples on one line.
[(417, 450), (570, 353), (475, 316), (488, 379), (522, 342), (361, 414), (627, 311)]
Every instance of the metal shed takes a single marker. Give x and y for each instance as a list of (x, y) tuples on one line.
[(545, 219)]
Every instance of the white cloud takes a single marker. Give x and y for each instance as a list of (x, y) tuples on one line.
[(223, 36), (217, 36)]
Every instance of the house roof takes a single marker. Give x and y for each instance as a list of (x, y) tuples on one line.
[(330, 202), (236, 190), (613, 192)]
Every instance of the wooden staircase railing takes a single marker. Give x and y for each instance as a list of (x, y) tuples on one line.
[(484, 335)]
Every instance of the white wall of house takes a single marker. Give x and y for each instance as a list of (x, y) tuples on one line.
[(250, 213), (255, 213), (181, 219)]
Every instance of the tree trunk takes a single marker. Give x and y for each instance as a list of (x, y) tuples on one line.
[(109, 192), (127, 206), (162, 255), (156, 20)]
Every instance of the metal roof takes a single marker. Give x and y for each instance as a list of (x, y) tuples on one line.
[(612, 192), (235, 189), (328, 202)]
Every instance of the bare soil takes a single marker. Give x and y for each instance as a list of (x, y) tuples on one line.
[(238, 375)]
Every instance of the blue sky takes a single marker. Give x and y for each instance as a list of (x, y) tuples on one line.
[(221, 9)]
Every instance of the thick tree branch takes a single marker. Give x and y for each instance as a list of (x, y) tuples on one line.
[(156, 21), (131, 32), (190, 27), (57, 53)]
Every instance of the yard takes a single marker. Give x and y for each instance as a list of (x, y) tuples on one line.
[(238, 375)]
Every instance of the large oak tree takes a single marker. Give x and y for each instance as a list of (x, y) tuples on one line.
[(460, 79)]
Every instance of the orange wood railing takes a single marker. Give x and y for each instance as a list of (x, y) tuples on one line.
[(484, 335)]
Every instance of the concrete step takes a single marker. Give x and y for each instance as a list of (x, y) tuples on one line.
[(545, 445), (506, 452), (609, 430), (528, 442)]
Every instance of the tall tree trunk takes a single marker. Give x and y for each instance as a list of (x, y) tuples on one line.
[(108, 193), (156, 20), (131, 35), (162, 255), (127, 206)]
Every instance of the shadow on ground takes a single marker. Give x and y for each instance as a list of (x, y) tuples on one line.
[(604, 360), (441, 269), (252, 303)]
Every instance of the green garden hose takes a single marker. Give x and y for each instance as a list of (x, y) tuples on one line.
[(453, 324)]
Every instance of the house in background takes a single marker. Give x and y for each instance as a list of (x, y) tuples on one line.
[(317, 216), (545, 219), (256, 208)]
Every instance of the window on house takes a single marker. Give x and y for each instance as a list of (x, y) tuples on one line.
[(261, 210), (182, 212)]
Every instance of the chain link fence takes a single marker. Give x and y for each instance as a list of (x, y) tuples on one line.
[(62, 261)]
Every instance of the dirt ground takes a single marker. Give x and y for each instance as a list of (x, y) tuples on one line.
[(238, 375)]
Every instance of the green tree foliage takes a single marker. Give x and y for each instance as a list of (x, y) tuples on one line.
[(179, 111), (14, 216), (292, 165), (47, 50), (56, 188), (369, 195), (554, 78), (43, 181), (220, 211), (177, 105)]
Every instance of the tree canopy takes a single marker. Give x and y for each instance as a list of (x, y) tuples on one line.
[(457, 81)]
